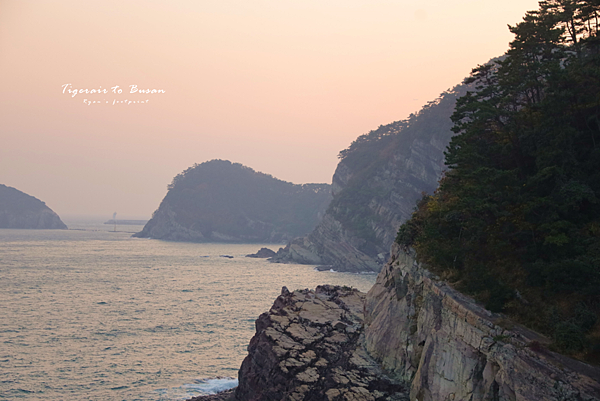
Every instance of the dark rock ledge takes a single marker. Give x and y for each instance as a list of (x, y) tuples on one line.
[(262, 253)]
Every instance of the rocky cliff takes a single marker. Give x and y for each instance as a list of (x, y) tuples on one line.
[(309, 347), (446, 347), (411, 337), (375, 188), (19, 210), (220, 201)]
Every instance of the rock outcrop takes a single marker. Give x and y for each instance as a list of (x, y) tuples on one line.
[(262, 253), (309, 346), (220, 201), (19, 210), (375, 188), (411, 337), (446, 347)]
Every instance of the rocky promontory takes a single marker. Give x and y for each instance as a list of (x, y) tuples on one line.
[(309, 346), (262, 253), (220, 201), (412, 337), (376, 185), (19, 210)]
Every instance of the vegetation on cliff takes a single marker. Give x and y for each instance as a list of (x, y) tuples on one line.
[(516, 219), (223, 201), (19, 210), (355, 206)]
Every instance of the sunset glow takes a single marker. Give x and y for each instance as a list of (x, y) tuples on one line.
[(279, 86)]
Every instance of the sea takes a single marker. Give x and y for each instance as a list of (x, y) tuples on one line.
[(91, 313)]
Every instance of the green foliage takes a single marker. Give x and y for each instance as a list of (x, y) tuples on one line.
[(519, 212), (569, 337), (501, 338)]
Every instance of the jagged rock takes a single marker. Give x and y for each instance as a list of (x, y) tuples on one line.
[(19, 210), (410, 338), (262, 253), (309, 347), (327, 244), (445, 346)]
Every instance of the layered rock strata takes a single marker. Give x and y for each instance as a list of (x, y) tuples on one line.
[(309, 346), (412, 337), (446, 347)]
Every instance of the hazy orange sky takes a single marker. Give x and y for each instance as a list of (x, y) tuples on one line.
[(278, 85)]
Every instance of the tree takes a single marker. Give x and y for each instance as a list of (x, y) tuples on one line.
[(517, 216)]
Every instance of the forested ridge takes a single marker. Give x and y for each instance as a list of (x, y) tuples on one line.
[(516, 219), (227, 202), (371, 154)]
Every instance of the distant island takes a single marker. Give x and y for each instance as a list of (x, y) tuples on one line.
[(221, 201), (19, 210), (127, 222)]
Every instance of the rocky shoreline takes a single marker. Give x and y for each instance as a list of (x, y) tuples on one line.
[(310, 346), (411, 337), (228, 395)]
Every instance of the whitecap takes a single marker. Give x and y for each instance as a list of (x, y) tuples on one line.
[(212, 385), (205, 386)]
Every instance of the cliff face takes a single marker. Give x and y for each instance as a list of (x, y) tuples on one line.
[(19, 210), (220, 201), (410, 338), (375, 188), (445, 346)]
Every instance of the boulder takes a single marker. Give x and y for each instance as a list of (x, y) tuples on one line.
[(262, 253), (309, 346)]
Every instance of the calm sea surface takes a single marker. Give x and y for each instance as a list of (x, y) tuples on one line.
[(98, 315)]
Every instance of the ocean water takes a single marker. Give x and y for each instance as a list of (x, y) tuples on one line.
[(93, 314)]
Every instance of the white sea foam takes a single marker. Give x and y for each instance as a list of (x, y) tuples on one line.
[(212, 385), (204, 386)]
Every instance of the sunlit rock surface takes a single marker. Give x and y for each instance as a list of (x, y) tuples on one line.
[(309, 346), (446, 347)]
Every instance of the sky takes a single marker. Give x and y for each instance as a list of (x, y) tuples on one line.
[(280, 86)]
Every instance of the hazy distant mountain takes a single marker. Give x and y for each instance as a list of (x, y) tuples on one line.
[(220, 201), (19, 210)]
